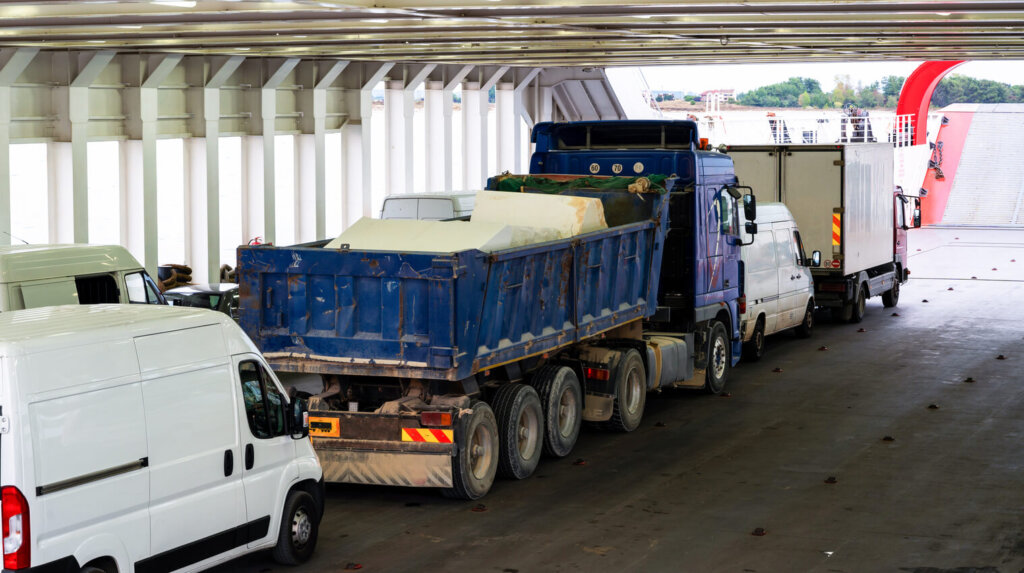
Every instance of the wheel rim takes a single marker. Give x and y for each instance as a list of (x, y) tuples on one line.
[(480, 451), (758, 342), (633, 390), (527, 430), (567, 407), (718, 358), (861, 303), (302, 528), (809, 318), (895, 291)]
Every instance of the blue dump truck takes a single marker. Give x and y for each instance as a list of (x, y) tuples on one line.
[(445, 370)]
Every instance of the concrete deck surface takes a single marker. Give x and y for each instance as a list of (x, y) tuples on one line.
[(687, 489)]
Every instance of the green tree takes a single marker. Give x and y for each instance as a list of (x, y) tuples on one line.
[(892, 85), (783, 94)]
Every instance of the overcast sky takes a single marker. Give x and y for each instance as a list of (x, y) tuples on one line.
[(745, 77)]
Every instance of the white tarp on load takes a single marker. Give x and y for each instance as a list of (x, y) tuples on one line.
[(438, 236), (569, 216)]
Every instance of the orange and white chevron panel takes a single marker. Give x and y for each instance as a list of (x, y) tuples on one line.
[(431, 435)]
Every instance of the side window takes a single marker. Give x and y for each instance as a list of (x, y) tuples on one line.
[(799, 244), (784, 248), (141, 290), (264, 404), (727, 209)]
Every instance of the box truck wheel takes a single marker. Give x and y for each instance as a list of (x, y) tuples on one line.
[(754, 350), (806, 326), (300, 523), (520, 429), (859, 305), (476, 462), (891, 297), (561, 398), (719, 361), (630, 393)]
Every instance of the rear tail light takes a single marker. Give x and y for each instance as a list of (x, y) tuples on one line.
[(15, 528), (601, 374), (435, 419), (742, 302)]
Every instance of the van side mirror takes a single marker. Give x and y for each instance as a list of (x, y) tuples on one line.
[(816, 259), (750, 207), (299, 419)]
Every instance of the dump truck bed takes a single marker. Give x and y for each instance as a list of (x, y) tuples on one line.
[(448, 316)]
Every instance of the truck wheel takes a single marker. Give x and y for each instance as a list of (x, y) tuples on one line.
[(806, 326), (476, 462), (891, 297), (719, 360), (754, 350), (630, 393), (859, 305), (300, 523), (561, 398), (520, 429)]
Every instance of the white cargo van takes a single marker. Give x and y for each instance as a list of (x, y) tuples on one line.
[(778, 292), (428, 206), (46, 275), (143, 438)]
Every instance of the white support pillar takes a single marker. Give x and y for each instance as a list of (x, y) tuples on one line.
[(546, 105), (508, 128), (196, 223), (268, 113), (320, 159), (211, 115), (59, 192), (252, 189), (148, 113), (443, 156), (434, 135), (307, 214), (365, 139), (78, 113), (133, 232), (12, 63), (395, 137), (474, 135), (352, 176), (408, 113)]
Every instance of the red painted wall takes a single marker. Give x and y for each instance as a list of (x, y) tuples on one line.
[(952, 135)]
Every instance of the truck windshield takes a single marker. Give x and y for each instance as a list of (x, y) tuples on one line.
[(624, 136)]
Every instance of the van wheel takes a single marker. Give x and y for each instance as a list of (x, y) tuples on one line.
[(630, 393), (806, 326), (562, 400), (300, 524), (520, 429), (891, 297), (476, 462), (719, 360), (859, 305), (754, 350)]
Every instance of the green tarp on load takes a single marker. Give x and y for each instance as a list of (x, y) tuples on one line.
[(517, 183)]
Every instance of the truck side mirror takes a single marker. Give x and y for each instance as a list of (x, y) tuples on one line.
[(816, 259), (750, 207), (299, 419), (917, 213)]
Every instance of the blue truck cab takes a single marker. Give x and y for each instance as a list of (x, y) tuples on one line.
[(700, 275)]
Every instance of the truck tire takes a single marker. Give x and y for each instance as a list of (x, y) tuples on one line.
[(630, 393), (754, 350), (300, 524), (719, 359), (520, 430), (859, 305), (891, 297), (476, 463), (806, 326), (561, 398)]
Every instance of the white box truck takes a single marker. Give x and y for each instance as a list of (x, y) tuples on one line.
[(842, 197)]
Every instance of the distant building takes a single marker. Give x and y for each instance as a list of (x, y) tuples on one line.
[(713, 99)]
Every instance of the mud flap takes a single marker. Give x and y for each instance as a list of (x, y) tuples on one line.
[(387, 468)]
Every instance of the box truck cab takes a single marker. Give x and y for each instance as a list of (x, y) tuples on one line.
[(778, 291), (139, 438), (47, 275)]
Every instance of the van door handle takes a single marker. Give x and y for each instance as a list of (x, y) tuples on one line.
[(229, 463), (250, 455)]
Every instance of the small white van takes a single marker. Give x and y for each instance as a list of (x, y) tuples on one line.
[(428, 206), (778, 291), (47, 275), (148, 439)]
